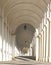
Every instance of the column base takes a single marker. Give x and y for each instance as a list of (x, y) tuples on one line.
[(50, 59), (47, 59), (40, 59), (44, 59)]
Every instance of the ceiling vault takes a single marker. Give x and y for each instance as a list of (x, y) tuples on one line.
[(17, 11)]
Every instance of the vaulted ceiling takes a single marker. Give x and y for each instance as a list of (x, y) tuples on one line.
[(18, 12), (24, 11)]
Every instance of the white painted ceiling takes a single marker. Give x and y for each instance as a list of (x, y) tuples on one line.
[(18, 12), (24, 11)]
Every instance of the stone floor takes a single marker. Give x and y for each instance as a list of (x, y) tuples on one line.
[(23, 61)]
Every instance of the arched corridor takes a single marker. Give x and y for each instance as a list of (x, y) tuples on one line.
[(25, 31)]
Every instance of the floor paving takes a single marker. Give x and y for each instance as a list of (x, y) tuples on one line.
[(23, 61)]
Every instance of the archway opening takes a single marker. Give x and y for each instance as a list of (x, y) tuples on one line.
[(24, 36)]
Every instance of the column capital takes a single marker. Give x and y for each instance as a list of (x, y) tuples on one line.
[(45, 26), (49, 20)]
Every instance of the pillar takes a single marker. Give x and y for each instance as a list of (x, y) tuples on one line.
[(0, 36), (13, 46), (48, 42), (8, 43), (34, 46), (40, 47), (50, 32), (44, 44), (6, 39), (2, 32), (10, 46), (37, 45), (42, 34)]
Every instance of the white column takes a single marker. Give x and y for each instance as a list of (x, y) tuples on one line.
[(34, 46), (48, 41), (42, 44), (2, 31), (48, 36), (4, 45), (50, 31), (47, 46), (0, 38), (47, 58), (31, 49), (8, 43), (45, 36), (9, 50), (10, 47), (37, 45), (6, 40), (13, 47), (42, 32), (49, 49), (40, 47)]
